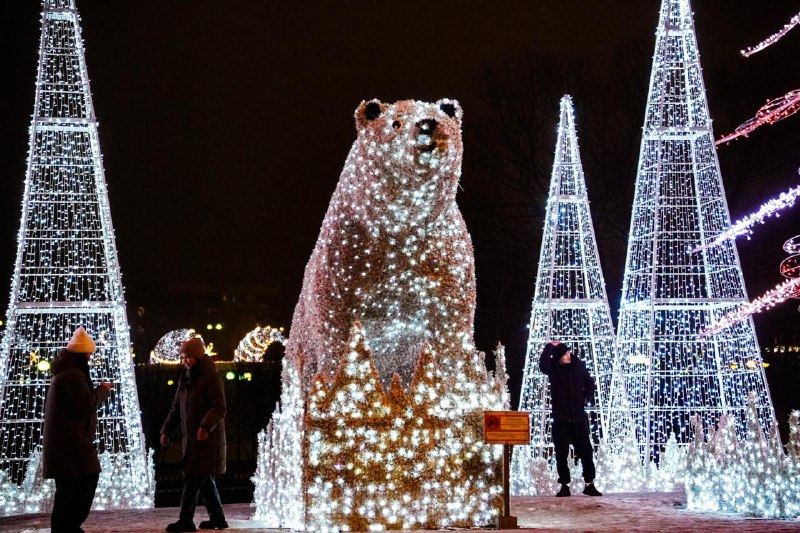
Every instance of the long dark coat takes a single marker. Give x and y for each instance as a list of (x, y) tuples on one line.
[(571, 386), (70, 419), (199, 401)]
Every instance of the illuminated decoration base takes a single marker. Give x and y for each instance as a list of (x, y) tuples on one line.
[(278, 478), (66, 274), (570, 305), (619, 468), (667, 370), (383, 459), (253, 346), (754, 476), (35, 494)]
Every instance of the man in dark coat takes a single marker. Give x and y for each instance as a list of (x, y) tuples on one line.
[(571, 388), (70, 422), (198, 416)]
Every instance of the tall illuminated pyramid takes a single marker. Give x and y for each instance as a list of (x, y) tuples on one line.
[(670, 294), (66, 274), (570, 302)]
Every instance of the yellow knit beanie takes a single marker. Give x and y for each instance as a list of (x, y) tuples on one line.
[(81, 342)]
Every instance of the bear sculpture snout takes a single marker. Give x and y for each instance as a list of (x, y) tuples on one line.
[(426, 141), (427, 126)]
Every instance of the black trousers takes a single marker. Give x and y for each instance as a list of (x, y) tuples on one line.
[(73, 500), (205, 485), (577, 434)]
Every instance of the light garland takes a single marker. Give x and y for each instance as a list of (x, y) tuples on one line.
[(773, 111), (393, 255), (782, 292), (667, 370), (772, 39), (790, 268), (570, 305), (752, 476), (253, 346), (66, 274), (744, 226)]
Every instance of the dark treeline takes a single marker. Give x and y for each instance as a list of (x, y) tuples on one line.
[(509, 151)]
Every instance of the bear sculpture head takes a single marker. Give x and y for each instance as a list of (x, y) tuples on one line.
[(409, 154), (393, 251)]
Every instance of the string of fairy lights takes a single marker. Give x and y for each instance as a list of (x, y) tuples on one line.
[(773, 111), (667, 369), (770, 208), (570, 303), (790, 288), (774, 38), (66, 274)]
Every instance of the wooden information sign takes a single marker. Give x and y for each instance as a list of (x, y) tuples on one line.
[(506, 427)]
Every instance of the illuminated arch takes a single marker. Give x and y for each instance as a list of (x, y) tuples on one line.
[(254, 344), (166, 350)]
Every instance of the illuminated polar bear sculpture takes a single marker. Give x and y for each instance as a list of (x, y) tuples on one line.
[(393, 251)]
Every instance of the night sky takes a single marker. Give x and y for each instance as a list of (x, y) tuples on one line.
[(225, 125)]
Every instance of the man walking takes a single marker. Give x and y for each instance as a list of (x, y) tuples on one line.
[(571, 388)]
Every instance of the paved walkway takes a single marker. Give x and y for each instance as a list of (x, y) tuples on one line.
[(616, 512)]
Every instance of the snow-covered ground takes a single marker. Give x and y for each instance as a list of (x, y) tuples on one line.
[(616, 512)]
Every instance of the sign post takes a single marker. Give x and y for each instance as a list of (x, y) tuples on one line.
[(506, 428)]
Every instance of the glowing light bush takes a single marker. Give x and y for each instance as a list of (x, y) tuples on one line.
[(752, 476)]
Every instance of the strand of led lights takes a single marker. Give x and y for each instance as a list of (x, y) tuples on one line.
[(773, 111), (788, 289), (744, 226), (772, 39)]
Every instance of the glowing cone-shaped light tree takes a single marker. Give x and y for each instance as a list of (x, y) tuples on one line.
[(570, 302), (66, 275), (670, 295)]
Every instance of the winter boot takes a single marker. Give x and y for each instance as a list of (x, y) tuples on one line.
[(181, 526), (564, 491), (214, 524), (591, 490)]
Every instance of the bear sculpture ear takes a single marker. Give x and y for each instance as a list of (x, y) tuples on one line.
[(449, 107), (368, 111)]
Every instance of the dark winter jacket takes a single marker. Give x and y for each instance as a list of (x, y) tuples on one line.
[(199, 402), (571, 386), (70, 418)]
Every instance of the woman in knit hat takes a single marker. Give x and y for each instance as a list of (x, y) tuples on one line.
[(197, 417), (70, 421)]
